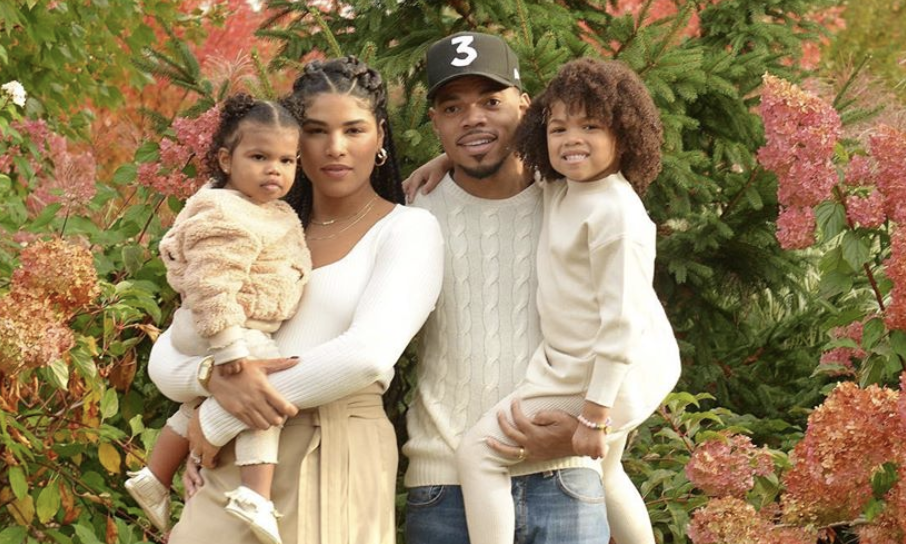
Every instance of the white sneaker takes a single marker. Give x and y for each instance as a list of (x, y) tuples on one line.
[(152, 496), (257, 511)]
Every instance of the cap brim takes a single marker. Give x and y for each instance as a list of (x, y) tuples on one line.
[(493, 77)]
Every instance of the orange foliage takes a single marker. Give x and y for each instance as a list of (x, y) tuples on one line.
[(224, 54)]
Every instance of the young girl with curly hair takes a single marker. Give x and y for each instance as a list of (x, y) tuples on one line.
[(608, 353), (237, 256)]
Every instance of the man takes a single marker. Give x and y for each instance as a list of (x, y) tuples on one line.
[(476, 345)]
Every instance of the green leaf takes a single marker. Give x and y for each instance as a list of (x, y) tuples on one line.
[(125, 174), (831, 218), (46, 216), (872, 331), (147, 152), (86, 534), (855, 251), (137, 425), (48, 503), (18, 482), (133, 258), (898, 342), (59, 371), (13, 535), (874, 508), (110, 404), (883, 479)]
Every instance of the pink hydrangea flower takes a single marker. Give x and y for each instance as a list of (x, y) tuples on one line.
[(867, 211), (191, 142), (801, 131), (796, 228), (895, 268), (728, 467)]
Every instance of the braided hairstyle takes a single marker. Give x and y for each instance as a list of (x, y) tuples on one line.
[(612, 92), (237, 109), (346, 75)]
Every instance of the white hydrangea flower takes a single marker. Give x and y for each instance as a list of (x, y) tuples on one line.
[(15, 91)]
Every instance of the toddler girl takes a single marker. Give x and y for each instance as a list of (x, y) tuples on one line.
[(609, 355), (237, 256)]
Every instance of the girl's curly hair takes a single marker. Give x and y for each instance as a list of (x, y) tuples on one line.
[(610, 91), (236, 109), (346, 75)]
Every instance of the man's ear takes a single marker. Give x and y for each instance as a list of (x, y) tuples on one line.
[(524, 102)]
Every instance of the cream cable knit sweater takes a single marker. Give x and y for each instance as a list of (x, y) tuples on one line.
[(476, 345), (356, 317), (236, 264)]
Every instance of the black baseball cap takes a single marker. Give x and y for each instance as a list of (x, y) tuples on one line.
[(471, 54)]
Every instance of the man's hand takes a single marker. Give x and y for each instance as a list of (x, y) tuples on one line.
[(250, 397), (201, 452), (546, 436), (426, 177)]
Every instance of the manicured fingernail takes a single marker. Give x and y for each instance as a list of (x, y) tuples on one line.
[(294, 357)]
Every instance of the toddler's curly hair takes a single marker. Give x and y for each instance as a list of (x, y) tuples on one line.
[(611, 92)]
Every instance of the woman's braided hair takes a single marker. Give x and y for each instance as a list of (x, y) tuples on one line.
[(346, 75), (236, 109)]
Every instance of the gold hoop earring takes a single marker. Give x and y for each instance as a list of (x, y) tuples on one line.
[(381, 157)]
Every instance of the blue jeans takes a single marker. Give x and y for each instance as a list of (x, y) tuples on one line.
[(560, 507)]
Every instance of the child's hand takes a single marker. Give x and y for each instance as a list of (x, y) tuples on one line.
[(232, 368), (590, 442)]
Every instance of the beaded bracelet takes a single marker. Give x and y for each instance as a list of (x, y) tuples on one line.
[(595, 426)]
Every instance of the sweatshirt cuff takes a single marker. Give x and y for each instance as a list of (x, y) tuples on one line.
[(606, 379), (237, 350), (227, 336)]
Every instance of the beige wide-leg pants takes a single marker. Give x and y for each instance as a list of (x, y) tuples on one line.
[(335, 482)]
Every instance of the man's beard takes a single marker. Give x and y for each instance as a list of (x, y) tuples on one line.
[(483, 171)]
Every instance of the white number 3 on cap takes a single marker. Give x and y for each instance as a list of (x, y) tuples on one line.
[(464, 48)]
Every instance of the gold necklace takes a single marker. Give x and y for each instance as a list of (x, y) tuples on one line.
[(358, 216), (332, 221)]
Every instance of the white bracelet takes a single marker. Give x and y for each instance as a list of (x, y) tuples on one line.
[(595, 426)]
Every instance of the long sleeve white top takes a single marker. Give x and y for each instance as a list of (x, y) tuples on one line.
[(606, 334), (356, 317)]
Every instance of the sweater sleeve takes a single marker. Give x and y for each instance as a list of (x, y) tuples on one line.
[(621, 269), (219, 253), (174, 373), (401, 293)]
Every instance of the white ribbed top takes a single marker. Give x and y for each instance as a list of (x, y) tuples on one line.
[(356, 317), (476, 345)]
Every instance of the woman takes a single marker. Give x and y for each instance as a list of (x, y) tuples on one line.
[(377, 273)]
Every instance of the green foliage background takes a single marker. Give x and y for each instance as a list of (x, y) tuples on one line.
[(751, 318)]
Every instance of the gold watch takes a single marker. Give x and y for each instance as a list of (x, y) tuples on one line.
[(205, 371)]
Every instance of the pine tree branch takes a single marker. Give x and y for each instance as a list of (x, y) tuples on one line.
[(738, 196)]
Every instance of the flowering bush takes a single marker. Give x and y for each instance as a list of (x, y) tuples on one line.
[(179, 166), (847, 471)]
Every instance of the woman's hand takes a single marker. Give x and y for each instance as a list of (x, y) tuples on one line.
[(250, 397), (427, 176), (233, 367), (201, 452), (548, 435), (191, 479)]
